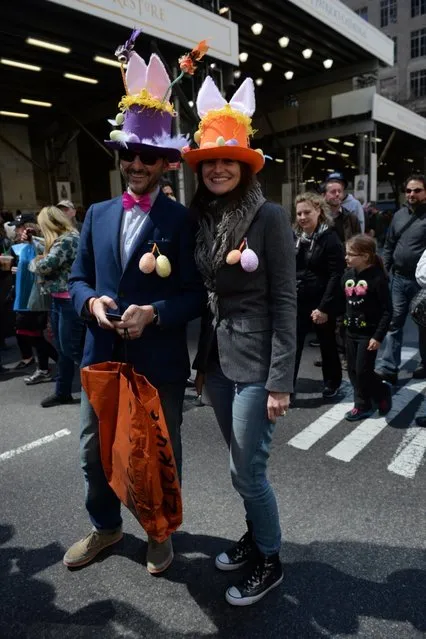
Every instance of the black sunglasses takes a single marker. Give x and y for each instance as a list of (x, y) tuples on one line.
[(130, 156), (418, 190)]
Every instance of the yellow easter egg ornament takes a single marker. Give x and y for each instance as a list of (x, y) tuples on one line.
[(163, 266), (197, 137), (233, 257), (147, 263), (115, 135), (119, 118)]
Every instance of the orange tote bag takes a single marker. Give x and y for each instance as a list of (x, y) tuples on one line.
[(136, 452)]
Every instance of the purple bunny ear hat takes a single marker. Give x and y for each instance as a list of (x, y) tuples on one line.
[(144, 121)]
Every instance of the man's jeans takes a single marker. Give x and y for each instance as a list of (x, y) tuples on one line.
[(101, 502), (68, 329), (242, 416), (403, 290)]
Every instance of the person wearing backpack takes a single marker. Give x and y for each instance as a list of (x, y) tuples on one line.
[(405, 243)]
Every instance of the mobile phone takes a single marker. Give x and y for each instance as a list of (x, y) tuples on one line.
[(113, 317)]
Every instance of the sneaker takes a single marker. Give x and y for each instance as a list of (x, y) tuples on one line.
[(330, 391), (238, 554), (266, 573), (385, 404), (314, 342), (23, 364), (85, 550), (4, 370), (357, 414), (38, 377), (421, 421), (56, 400), (419, 373), (159, 556), (392, 378)]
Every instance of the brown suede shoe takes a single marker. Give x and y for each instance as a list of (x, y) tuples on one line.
[(159, 555), (85, 550)]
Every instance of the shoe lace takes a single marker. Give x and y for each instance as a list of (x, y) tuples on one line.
[(255, 577)]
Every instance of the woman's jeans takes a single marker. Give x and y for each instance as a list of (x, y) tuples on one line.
[(241, 412), (68, 329)]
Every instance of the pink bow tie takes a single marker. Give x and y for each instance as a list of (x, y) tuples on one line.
[(143, 201)]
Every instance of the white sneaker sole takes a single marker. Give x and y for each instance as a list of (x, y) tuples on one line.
[(228, 567), (248, 601)]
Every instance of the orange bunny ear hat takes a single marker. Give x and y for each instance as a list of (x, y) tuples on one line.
[(225, 128)]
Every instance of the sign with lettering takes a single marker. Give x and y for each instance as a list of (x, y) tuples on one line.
[(339, 17), (175, 21)]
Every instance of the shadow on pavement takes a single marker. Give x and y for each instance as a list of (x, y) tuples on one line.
[(322, 594)]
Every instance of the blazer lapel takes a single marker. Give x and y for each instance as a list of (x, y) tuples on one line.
[(114, 228), (147, 227)]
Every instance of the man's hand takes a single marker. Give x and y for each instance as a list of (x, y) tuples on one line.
[(99, 307), (277, 405), (318, 317), (199, 382), (134, 320)]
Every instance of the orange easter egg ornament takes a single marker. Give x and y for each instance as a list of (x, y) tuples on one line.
[(233, 257), (147, 263)]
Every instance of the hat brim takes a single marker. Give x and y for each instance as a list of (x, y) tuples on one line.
[(172, 155), (249, 156)]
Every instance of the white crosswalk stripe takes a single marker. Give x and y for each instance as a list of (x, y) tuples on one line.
[(411, 451), (324, 424), (359, 438)]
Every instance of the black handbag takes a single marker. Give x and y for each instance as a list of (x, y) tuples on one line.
[(418, 307)]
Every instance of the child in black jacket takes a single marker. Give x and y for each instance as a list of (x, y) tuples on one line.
[(367, 319)]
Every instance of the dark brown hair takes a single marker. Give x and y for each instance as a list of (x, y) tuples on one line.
[(415, 176), (366, 245)]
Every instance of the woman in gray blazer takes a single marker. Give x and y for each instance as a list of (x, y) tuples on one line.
[(245, 253)]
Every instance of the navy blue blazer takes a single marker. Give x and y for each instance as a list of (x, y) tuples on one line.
[(161, 352)]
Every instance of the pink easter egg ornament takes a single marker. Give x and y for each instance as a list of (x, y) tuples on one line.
[(249, 260)]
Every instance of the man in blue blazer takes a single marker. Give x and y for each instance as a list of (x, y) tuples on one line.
[(154, 309)]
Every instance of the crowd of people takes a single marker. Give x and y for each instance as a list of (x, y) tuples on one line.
[(259, 286)]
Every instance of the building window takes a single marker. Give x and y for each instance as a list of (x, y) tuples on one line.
[(389, 88), (388, 12), (418, 8), (418, 83), (418, 43), (363, 13), (395, 49)]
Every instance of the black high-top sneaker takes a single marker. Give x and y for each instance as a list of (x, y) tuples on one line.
[(238, 554), (266, 573)]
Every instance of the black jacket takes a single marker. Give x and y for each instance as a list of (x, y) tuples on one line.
[(319, 267), (403, 254), (368, 302), (346, 225)]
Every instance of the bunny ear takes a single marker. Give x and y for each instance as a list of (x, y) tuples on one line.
[(157, 79), (135, 74), (243, 99), (209, 97)]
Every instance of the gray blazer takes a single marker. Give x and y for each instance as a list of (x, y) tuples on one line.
[(256, 327)]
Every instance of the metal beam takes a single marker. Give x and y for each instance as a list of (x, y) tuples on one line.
[(322, 133)]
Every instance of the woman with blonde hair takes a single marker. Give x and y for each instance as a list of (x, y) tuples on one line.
[(53, 269), (320, 264)]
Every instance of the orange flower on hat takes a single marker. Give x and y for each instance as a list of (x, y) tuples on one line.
[(187, 61)]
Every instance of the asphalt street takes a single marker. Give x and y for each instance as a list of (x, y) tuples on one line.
[(352, 504)]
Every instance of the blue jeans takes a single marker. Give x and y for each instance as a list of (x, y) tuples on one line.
[(68, 329), (102, 503), (241, 412), (402, 290)]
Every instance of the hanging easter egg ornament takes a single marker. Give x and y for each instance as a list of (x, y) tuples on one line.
[(119, 119), (249, 260), (163, 266), (147, 263), (233, 257), (197, 137)]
